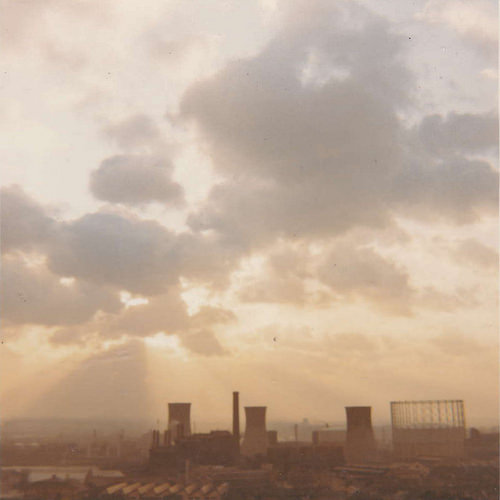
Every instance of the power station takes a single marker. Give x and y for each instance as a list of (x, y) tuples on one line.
[(430, 428)]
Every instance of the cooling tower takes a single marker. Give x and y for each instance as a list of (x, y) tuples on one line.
[(236, 419), (360, 441), (255, 439), (179, 420)]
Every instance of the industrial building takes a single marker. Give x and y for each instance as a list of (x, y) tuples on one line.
[(287, 457), (428, 428), (180, 447)]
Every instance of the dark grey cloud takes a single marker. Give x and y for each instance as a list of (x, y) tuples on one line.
[(459, 133), (455, 189), (136, 180), (113, 249), (308, 137), (25, 223), (33, 295), (110, 249)]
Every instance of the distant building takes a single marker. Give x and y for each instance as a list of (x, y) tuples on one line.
[(329, 436), (286, 457), (214, 448)]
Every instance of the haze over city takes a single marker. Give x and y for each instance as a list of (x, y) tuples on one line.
[(293, 199)]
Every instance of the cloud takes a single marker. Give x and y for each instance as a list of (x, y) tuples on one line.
[(33, 295), (208, 315), (459, 133), (138, 131), (362, 273), (475, 20), (110, 249), (163, 313), (453, 189), (318, 156), (288, 277), (135, 180), (474, 253), (452, 343), (25, 223), (202, 342)]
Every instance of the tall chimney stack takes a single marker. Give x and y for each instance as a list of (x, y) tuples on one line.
[(236, 419)]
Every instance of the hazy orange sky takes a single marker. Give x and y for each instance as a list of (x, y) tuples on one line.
[(293, 199)]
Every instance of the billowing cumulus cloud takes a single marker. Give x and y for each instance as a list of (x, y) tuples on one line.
[(135, 180), (314, 159)]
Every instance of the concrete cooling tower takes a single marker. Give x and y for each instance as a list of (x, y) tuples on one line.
[(360, 441), (179, 420), (255, 439)]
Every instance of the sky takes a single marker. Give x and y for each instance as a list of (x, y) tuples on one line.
[(293, 199)]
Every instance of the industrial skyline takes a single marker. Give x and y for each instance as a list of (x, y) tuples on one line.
[(297, 199)]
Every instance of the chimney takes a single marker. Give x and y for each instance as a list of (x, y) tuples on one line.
[(255, 439), (236, 419), (166, 438)]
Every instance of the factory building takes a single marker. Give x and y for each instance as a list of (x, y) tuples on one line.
[(360, 441), (329, 436), (179, 446), (428, 429)]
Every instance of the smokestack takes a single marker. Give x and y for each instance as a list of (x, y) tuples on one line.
[(166, 438), (255, 439), (360, 441), (153, 438), (236, 419), (179, 420)]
